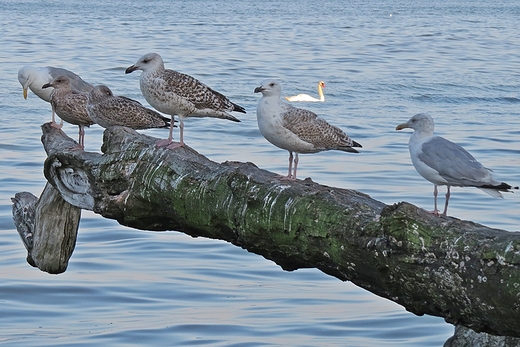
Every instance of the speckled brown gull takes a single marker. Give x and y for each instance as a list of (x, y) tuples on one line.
[(108, 110), (34, 78), (445, 163), (295, 129), (70, 106), (175, 93)]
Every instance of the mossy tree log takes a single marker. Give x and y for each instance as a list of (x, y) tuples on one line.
[(462, 271)]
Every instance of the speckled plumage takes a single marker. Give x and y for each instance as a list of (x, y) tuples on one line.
[(175, 93), (108, 110), (296, 130), (69, 105), (35, 77)]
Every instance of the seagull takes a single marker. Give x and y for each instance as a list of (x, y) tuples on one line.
[(175, 93), (307, 97), (35, 77), (295, 129), (108, 110), (445, 163), (70, 105)]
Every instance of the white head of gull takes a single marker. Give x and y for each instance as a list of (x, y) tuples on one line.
[(443, 162), (175, 93), (296, 130), (35, 77)]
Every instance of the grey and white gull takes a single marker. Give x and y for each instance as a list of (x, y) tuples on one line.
[(176, 93), (70, 106), (307, 97), (34, 78), (445, 163), (107, 110), (295, 129)]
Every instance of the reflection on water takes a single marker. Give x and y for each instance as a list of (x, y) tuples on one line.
[(457, 61)]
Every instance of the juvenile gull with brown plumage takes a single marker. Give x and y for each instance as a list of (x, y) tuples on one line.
[(108, 110), (445, 163), (296, 130), (175, 93), (70, 106)]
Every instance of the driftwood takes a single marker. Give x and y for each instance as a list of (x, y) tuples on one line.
[(48, 227), (465, 337), (462, 271)]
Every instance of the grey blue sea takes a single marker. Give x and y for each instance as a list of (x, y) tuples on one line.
[(382, 62)]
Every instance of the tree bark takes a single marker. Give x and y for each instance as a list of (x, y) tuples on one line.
[(462, 271)]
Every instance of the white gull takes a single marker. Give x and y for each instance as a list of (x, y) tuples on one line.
[(445, 163), (296, 130), (35, 77), (175, 93)]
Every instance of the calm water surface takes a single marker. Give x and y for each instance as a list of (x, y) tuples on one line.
[(382, 62)]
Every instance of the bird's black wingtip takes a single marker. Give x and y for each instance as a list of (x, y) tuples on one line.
[(238, 108)]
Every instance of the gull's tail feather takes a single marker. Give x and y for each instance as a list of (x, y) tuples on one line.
[(495, 189)]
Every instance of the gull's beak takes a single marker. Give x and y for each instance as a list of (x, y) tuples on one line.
[(46, 85), (402, 126), (131, 69), (25, 93), (258, 89)]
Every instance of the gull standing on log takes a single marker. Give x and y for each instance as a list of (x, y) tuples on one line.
[(175, 93), (445, 163), (307, 97), (70, 106), (35, 77), (295, 129), (108, 110)]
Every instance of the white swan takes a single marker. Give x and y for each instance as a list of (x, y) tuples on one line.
[(306, 97)]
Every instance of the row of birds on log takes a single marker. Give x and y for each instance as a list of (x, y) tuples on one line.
[(296, 130)]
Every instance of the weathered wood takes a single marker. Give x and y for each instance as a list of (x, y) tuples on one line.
[(24, 211), (48, 227), (465, 337), (462, 271)]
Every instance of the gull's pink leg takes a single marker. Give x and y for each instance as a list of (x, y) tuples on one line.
[(181, 135), (81, 139), (448, 194), (169, 143), (295, 164), (435, 193), (53, 121), (289, 174)]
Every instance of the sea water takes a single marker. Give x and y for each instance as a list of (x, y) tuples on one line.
[(382, 62)]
